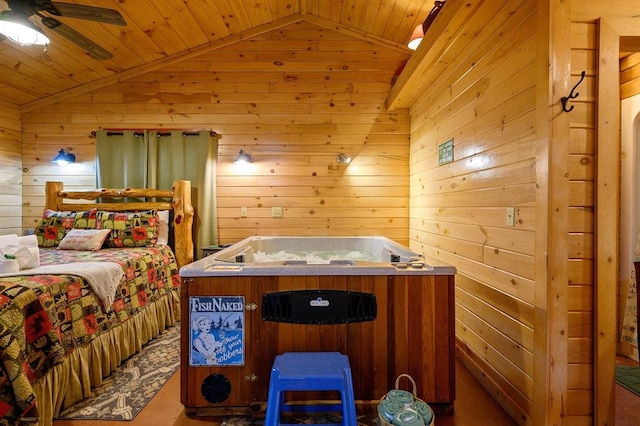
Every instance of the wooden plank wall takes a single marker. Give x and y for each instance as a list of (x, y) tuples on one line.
[(629, 87), (581, 232), (293, 98), (630, 75), (10, 170), (486, 103)]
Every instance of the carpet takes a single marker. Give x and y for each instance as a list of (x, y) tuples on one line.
[(629, 377), (125, 393)]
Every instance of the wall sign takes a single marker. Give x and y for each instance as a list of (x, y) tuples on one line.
[(445, 152), (216, 330)]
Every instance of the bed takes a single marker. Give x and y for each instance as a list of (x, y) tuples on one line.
[(63, 330)]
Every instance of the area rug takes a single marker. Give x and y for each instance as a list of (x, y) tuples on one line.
[(629, 377), (125, 393)]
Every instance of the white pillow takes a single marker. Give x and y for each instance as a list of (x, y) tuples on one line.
[(84, 239), (163, 227)]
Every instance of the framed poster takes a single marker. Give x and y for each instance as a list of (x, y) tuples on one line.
[(216, 330)]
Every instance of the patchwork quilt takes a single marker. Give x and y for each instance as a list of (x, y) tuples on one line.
[(43, 318)]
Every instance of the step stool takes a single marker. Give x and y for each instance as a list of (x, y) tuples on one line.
[(310, 371)]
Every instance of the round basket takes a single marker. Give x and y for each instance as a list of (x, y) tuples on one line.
[(414, 392)]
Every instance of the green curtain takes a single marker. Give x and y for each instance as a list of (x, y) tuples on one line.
[(122, 160), (178, 155)]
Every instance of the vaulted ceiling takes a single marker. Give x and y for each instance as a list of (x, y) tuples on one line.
[(160, 32)]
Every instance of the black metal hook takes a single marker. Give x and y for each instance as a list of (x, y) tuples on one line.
[(565, 99)]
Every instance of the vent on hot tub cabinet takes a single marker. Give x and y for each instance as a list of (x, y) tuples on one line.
[(319, 306)]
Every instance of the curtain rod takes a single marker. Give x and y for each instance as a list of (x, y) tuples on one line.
[(161, 133)]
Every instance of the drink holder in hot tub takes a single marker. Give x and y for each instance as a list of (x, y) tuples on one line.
[(319, 306)]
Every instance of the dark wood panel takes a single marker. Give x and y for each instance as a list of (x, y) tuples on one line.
[(413, 333)]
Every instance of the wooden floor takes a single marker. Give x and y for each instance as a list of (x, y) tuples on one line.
[(473, 406)]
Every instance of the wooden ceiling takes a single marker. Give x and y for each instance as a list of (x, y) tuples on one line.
[(159, 32)]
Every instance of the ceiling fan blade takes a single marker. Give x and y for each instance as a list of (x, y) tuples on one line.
[(69, 33), (91, 13)]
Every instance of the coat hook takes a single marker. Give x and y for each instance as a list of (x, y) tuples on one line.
[(565, 99)]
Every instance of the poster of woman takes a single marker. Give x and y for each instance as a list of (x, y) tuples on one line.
[(217, 330)]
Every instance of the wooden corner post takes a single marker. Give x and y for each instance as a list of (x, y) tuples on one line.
[(183, 222)]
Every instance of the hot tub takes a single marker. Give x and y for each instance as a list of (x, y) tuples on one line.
[(392, 312), (259, 255)]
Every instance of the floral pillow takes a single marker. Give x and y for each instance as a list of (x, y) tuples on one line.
[(129, 229), (54, 225), (84, 239)]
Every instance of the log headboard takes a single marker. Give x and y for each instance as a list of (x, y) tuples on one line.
[(180, 202)]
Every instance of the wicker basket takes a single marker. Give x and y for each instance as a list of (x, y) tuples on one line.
[(414, 392)]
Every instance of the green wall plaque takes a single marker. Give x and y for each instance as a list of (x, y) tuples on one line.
[(445, 152)]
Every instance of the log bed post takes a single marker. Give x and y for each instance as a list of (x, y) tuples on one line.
[(52, 196), (183, 221)]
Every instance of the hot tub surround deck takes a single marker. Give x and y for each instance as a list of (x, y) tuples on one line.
[(383, 256), (412, 333)]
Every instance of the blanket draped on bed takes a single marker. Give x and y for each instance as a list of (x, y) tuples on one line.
[(102, 277)]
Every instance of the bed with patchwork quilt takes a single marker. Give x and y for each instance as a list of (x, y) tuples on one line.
[(90, 302)]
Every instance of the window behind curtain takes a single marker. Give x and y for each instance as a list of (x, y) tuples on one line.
[(152, 159)]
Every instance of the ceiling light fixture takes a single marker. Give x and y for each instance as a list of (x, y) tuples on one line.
[(420, 30), (242, 158), (64, 157), (343, 159), (20, 30)]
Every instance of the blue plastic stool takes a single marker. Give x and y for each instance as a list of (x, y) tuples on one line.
[(310, 371)]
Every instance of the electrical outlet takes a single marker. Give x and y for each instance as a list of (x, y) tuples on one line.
[(243, 212), (276, 211), (511, 216)]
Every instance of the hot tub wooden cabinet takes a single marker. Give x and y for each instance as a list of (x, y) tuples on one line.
[(413, 331)]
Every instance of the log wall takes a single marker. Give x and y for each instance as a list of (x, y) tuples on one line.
[(293, 98), (458, 210), (480, 88), (10, 170), (297, 96), (630, 75), (582, 172)]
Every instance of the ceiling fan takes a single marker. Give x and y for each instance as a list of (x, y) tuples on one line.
[(20, 11)]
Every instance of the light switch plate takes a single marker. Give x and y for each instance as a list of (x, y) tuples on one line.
[(511, 216)]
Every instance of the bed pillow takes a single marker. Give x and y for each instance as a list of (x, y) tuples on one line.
[(129, 229), (84, 239), (163, 227), (54, 225)]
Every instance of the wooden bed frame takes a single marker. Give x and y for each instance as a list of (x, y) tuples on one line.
[(55, 386), (180, 196)]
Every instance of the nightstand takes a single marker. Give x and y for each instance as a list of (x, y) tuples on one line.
[(208, 251)]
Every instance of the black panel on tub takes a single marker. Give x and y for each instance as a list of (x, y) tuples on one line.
[(216, 388), (319, 306)]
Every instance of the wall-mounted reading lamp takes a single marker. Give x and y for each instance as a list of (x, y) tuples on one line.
[(242, 158), (64, 157), (343, 158)]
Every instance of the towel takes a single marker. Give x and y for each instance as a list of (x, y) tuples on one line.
[(31, 244), (102, 277), (8, 265), (9, 240), (22, 249)]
